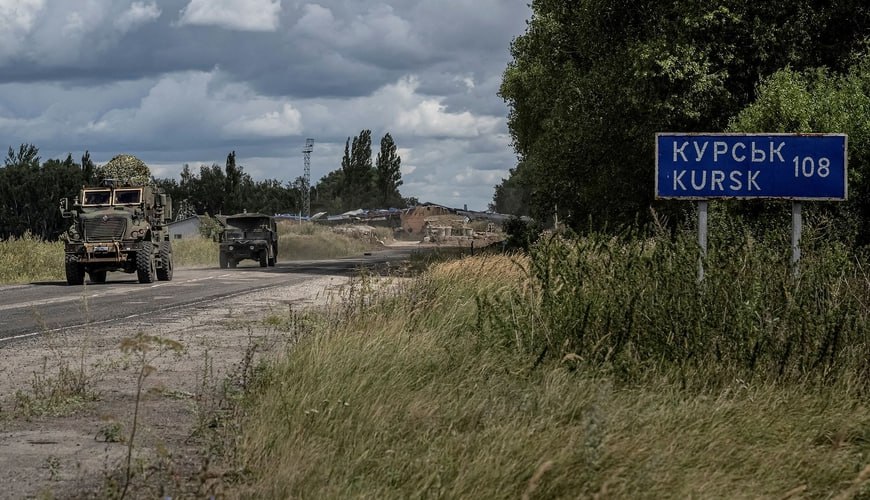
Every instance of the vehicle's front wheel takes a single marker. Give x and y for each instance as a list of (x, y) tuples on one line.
[(224, 263), (75, 273), (164, 273), (264, 260), (145, 263)]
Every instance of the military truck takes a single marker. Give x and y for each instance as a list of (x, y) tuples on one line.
[(118, 228), (248, 236)]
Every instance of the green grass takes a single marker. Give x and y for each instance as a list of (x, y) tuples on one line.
[(592, 367)]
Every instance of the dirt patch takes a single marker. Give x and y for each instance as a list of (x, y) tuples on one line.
[(79, 452)]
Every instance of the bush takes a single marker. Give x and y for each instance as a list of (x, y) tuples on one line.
[(635, 307)]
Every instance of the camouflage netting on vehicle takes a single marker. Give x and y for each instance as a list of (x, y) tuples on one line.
[(127, 169)]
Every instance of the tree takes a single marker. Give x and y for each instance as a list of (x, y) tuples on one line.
[(209, 189), (27, 156), (30, 192), (591, 81), (818, 101), (326, 195), (19, 190), (511, 195), (88, 169), (358, 187), (232, 203), (389, 174)]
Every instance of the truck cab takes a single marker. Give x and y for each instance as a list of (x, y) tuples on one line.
[(248, 236)]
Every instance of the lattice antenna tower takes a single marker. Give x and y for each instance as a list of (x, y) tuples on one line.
[(306, 194)]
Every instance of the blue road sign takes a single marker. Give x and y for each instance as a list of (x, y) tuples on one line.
[(787, 166)]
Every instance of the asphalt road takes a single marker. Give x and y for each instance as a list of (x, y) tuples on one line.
[(39, 308)]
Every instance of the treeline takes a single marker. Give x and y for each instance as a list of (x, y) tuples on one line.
[(359, 183), (30, 189), (592, 81)]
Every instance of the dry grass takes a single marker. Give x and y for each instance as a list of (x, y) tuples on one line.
[(194, 252), (313, 241), (29, 259), (411, 398)]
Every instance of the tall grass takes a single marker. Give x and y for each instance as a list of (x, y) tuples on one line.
[(564, 374), (637, 308), (29, 258), (314, 241), (194, 252)]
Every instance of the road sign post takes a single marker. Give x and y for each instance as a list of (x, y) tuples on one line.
[(796, 167)]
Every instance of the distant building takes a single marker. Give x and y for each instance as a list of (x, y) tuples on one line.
[(414, 220), (185, 229)]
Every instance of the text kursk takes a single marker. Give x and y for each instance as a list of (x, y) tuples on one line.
[(739, 152)]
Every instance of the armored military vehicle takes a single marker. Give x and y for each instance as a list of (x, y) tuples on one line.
[(118, 228), (248, 236)]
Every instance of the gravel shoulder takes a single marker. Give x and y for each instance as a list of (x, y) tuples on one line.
[(77, 453)]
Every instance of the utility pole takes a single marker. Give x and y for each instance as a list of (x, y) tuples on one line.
[(306, 191)]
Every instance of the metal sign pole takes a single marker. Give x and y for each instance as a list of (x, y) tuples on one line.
[(702, 237), (796, 226)]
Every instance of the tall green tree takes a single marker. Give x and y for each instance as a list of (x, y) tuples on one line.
[(388, 178), (233, 176), (88, 169), (326, 195), (208, 190), (511, 195), (359, 174), (592, 81), (30, 192), (817, 101)]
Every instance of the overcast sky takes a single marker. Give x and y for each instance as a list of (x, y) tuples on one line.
[(188, 81)]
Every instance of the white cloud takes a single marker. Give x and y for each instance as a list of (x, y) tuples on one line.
[(428, 117), (282, 123), (399, 108), (138, 14), (376, 34), (17, 20), (241, 15), (197, 106), (55, 32)]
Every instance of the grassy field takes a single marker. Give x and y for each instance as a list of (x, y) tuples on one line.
[(29, 259), (590, 368)]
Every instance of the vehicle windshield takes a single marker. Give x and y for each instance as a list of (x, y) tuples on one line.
[(128, 196), (247, 228), (93, 198)]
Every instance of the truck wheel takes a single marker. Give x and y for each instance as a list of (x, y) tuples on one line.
[(264, 260), (97, 276), (165, 273), (75, 273), (145, 263), (223, 260), (271, 261), (232, 262)]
